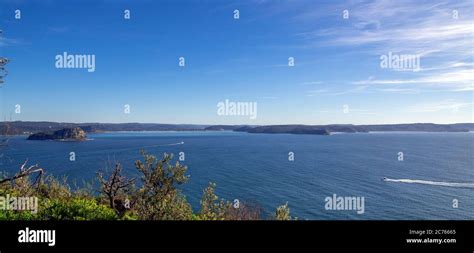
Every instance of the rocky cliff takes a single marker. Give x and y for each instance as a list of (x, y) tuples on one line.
[(73, 134)]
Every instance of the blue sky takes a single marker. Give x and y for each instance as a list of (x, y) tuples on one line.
[(337, 61)]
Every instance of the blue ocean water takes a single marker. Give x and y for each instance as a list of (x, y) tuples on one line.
[(255, 168)]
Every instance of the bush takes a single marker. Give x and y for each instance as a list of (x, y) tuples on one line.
[(17, 215), (77, 209), (55, 189), (283, 213), (158, 198), (211, 207)]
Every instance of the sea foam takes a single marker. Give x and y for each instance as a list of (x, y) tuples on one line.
[(437, 183)]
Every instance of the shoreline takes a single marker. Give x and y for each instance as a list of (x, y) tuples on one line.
[(231, 131)]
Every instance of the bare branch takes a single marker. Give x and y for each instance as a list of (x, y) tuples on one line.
[(23, 173)]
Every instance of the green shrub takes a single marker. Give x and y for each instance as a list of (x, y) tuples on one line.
[(158, 198), (211, 207), (77, 209), (17, 215)]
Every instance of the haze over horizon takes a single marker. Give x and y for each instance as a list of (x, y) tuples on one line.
[(337, 76)]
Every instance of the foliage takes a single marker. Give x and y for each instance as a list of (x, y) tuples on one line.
[(283, 212), (55, 189), (158, 197), (77, 209), (211, 207)]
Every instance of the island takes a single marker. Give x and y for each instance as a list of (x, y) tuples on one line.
[(66, 134)]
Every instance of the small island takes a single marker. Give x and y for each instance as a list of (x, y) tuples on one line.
[(66, 134)]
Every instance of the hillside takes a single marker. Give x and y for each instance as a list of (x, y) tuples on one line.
[(30, 127)]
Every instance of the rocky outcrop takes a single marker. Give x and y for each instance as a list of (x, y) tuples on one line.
[(67, 134)]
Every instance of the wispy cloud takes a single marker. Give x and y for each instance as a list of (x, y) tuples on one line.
[(6, 41), (451, 105), (312, 93), (336, 92), (312, 83), (399, 90), (425, 28), (456, 80), (350, 111), (413, 26)]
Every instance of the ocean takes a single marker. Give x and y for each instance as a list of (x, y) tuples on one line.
[(436, 171)]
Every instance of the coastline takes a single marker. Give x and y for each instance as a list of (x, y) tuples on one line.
[(232, 131)]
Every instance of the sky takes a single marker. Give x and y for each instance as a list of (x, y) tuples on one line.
[(337, 76)]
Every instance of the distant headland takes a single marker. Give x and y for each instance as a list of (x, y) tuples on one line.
[(56, 130), (66, 134)]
